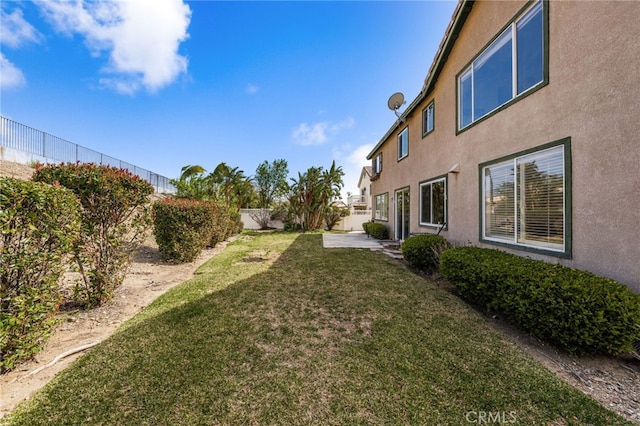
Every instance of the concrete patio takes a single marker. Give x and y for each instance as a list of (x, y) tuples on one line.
[(354, 239)]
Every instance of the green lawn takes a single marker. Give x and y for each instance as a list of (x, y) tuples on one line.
[(277, 330)]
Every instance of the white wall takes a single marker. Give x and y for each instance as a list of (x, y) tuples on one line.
[(350, 223)]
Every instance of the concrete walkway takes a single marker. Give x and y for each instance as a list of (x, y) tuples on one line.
[(354, 239)]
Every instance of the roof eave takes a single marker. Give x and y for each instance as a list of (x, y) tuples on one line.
[(458, 19)]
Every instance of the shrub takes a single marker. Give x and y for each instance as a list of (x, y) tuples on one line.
[(236, 222), (575, 310), (38, 225), (115, 218), (182, 228), (222, 225), (365, 227), (262, 217), (377, 230), (333, 214), (423, 251)]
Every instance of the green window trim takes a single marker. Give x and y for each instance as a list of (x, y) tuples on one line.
[(519, 95), (443, 214), (563, 250), (381, 207)]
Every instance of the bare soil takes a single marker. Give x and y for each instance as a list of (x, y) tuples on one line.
[(148, 277), (612, 381)]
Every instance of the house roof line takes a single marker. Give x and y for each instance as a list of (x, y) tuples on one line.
[(458, 19), (368, 170)]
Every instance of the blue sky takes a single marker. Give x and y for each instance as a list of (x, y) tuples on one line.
[(166, 83)]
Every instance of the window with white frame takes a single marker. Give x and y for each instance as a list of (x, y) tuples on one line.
[(525, 199), (510, 66), (433, 202), (381, 207), (403, 143), (428, 117), (377, 164)]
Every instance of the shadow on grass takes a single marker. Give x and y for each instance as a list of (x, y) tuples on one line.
[(309, 336)]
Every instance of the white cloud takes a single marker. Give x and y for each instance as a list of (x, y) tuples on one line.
[(319, 133), (251, 89), (16, 31), (10, 75), (305, 134), (358, 156), (141, 37)]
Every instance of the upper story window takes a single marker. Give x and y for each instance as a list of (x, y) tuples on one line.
[(428, 117), (403, 143), (376, 164), (526, 199), (512, 65)]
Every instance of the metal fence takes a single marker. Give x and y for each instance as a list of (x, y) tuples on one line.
[(45, 147)]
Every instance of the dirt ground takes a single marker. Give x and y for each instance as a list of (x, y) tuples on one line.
[(148, 278), (614, 382)]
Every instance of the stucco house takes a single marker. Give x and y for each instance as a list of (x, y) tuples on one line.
[(524, 137), (362, 201)]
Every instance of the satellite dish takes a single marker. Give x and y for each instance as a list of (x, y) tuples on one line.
[(395, 102)]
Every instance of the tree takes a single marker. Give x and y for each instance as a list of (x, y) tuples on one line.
[(270, 182), (229, 184), (225, 185), (191, 183), (312, 193)]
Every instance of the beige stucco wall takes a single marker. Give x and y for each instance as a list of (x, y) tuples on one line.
[(593, 96)]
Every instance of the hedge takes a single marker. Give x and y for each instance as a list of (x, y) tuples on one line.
[(183, 227), (376, 230), (574, 310), (38, 223), (423, 251)]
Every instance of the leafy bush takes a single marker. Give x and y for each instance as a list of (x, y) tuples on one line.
[(573, 309), (423, 251), (236, 222), (333, 214), (182, 227), (365, 227), (115, 218), (38, 225), (222, 225), (376, 230)]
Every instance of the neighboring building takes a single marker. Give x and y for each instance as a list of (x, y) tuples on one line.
[(362, 201), (524, 137)]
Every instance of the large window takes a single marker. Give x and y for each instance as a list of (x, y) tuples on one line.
[(381, 207), (433, 202), (525, 199), (511, 65), (428, 119), (403, 144)]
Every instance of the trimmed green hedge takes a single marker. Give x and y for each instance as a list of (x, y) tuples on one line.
[(423, 251), (183, 227), (575, 310), (376, 230), (38, 223)]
